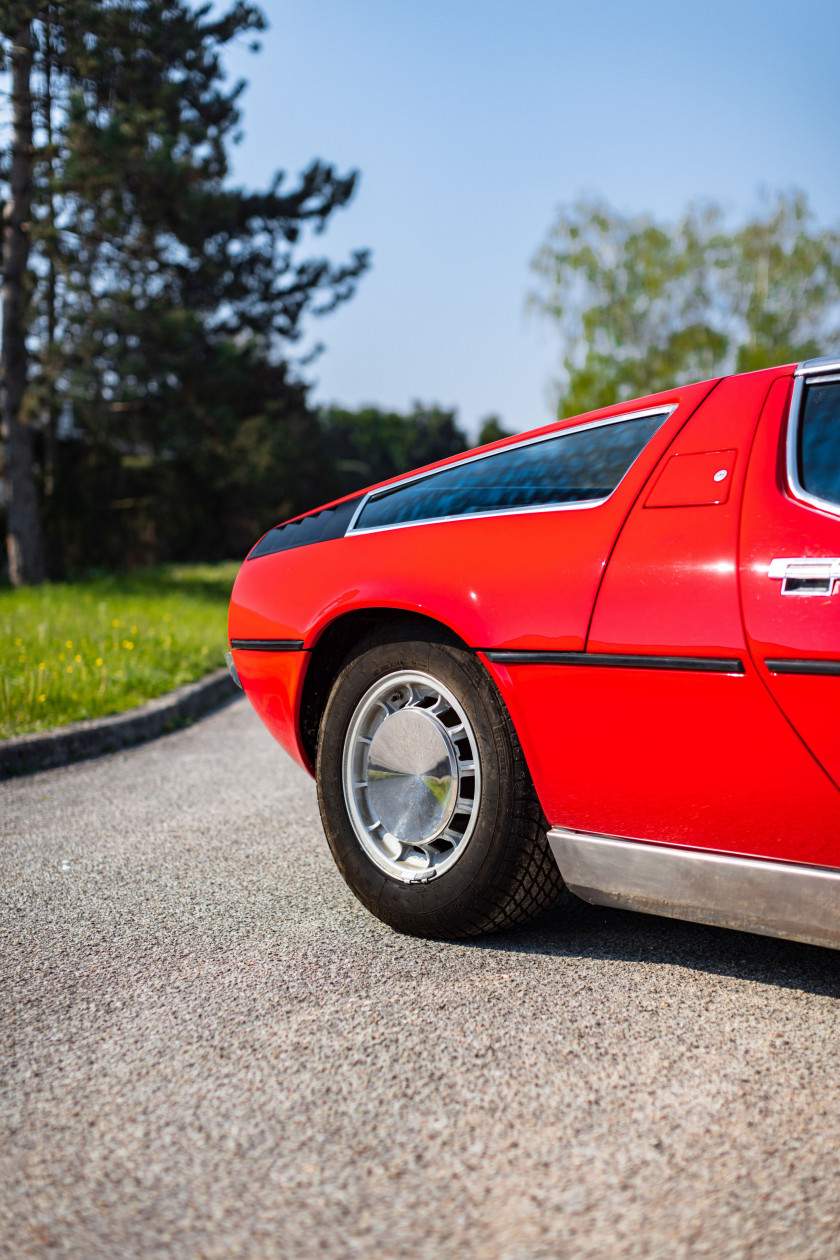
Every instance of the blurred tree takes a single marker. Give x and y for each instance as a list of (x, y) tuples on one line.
[(371, 445), (492, 431), (256, 456), (155, 299), (642, 306), (25, 541)]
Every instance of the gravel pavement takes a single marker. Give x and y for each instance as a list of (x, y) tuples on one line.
[(209, 1049)]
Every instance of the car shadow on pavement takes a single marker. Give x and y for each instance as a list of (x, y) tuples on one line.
[(574, 929)]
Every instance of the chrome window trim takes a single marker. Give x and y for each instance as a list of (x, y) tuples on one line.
[(817, 366), (826, 371), (578, 505)]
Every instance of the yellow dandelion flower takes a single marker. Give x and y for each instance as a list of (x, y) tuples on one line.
[(69, 644), (133, 629), (99, 660), (128, 645), (77, 658), (42, 665), (41, 699), (69, 669), (115, 622)]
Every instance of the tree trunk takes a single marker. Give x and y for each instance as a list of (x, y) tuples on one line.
[(48, 364), (24, 541)]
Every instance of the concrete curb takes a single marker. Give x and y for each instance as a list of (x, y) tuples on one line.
[(81, 740)]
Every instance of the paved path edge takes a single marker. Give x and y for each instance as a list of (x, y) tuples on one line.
[(79, 740)]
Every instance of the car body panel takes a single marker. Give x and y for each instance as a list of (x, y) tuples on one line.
[(272, 682), (672, 582), (679, 757), (611, 751), (790, 628), (646, 709), (484, 577)]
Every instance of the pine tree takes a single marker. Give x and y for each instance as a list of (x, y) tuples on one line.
[(155, 288)]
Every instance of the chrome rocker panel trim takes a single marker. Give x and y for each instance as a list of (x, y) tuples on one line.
[(799, 903)]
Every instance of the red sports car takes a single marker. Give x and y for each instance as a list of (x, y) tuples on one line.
[(603, 655)]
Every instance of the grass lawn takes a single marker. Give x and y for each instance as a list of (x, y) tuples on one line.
[(81, 650)]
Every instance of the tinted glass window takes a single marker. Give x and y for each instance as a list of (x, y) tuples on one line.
[(819, 442), (570, 468)]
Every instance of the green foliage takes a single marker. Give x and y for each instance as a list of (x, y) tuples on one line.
[(244, 451), (642, 306), (147, 219), (371, 445), (163, 299), (492, 431), (82, 651)]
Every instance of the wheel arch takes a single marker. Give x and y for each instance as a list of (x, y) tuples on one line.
[(338, 642)]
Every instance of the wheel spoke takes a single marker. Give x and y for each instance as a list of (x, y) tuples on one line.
[(392, 846), (417, 857)]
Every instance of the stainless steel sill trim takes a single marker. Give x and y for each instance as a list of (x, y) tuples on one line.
[(234, 673), (666, 412), (797, 902), (787, 665), (617, 660), (807, 373), (267, 645)]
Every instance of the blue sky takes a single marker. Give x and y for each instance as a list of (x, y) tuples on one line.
[(470, 122)]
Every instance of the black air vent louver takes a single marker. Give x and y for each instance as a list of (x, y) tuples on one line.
[(320, 526)]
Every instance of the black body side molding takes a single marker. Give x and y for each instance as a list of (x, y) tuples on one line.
[(268, 645), (787, 666), (617, 660)]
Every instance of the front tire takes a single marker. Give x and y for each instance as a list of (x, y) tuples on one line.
[(426, 800)]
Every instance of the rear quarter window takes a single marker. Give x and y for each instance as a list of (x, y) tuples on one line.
[(581, 466)]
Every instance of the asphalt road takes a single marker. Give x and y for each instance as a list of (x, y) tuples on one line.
[(208, 1049)]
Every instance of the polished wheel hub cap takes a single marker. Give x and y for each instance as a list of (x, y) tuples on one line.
[(411, 776)]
